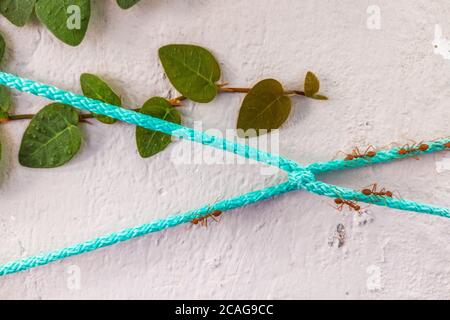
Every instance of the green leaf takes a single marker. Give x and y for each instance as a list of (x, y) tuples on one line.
[(17, 12), (52, 137), (126, 4), (151, 142), (5, 97), (312, 87), (2, 48), (312, 84), (4, 117), (265, 107), (192, 70), (66, 19), (95, 88), (5, 100)]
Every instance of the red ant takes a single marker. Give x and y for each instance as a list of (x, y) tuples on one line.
[(373, 191), (352, 205), (356, 154), (204, 220), (408, 149)]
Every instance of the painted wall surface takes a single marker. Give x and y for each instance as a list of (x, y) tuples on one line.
[(385, 85)]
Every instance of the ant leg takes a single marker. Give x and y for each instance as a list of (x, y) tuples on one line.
[(338, 153), (395, 144), (366, 151), (369, 187), (399, 196), (383, 191), (335, 207), (371, 147), (339, 207)]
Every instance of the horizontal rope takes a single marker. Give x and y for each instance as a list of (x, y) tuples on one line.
[(300, 177), (381, 157), (131, 233)]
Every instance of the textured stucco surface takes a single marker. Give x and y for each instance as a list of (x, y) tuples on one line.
[(385, 86)]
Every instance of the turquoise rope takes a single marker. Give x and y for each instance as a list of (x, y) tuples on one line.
[(300, 177)]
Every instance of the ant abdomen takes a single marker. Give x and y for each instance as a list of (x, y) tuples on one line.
[(424, 147), (216, 213)]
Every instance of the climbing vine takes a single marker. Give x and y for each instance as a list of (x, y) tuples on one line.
[(68, 20), (54, 137)]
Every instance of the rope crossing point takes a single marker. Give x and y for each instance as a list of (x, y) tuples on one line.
[(299, 177)]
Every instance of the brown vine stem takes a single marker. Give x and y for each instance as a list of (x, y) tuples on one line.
[(176, 102), (247, 90), (13, 117)]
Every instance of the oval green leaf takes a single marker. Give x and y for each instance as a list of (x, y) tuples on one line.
[(192, 70), (66, 19), (52, 137), (312, 84), (312, 87), (95, 88), (17, 12), (5, 101), (150, 142), (126, 4), (266, 107)]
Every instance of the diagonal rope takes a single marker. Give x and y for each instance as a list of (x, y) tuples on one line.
[(300, 177)]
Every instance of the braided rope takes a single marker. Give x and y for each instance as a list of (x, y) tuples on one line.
[(300, 177)]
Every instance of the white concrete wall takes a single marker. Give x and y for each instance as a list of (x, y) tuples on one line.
[(385, 86)]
